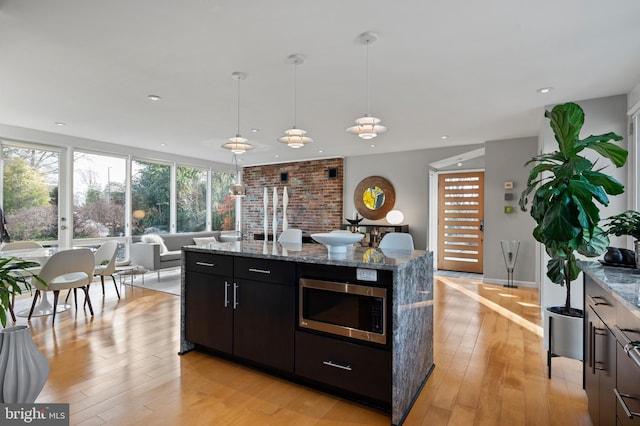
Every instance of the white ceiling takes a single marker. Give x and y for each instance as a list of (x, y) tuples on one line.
[(465, 69)]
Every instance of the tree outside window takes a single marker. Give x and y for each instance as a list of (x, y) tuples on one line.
[(150, 197), (30, 193), (98, 195)]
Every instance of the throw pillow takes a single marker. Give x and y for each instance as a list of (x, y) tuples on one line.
[(155, 239), (204, 240)]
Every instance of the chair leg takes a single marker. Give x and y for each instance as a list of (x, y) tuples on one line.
[(102, 282), (56, 294), (87, 299), (115, 285), (33, 305)]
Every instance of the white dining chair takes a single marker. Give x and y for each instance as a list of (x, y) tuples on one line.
[(65, 270), (291, 236), (105, 263), (397, 241)]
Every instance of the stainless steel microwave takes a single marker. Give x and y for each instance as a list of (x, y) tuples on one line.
[(349, 310)]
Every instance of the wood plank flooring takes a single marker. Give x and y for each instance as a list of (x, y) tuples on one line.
[(122, 368)]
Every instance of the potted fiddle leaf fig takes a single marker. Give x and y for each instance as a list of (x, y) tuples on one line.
[(567, 190)]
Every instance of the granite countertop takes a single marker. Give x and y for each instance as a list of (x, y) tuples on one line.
[(623, 283), (364, 257)]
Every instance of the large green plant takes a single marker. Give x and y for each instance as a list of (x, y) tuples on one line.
[(12, 282), (566, 187)]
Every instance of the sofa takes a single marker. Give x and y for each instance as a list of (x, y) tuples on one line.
[(155, 252)]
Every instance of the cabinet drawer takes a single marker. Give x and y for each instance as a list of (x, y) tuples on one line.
[(602, 301), (264, 270), (214, 264), (628, 383), (354, 368)]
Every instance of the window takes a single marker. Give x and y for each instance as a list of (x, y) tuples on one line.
[(30, 192), (150, 197), (191, 199), (98, 195), (223, 204)]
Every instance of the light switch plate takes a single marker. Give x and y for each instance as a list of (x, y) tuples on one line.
[(366, 274)]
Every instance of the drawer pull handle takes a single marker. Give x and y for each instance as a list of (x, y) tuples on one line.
[(206, 264), (621, 396), (336, 365), (226, 294), (633, 351), (592, 299), (260, 271)]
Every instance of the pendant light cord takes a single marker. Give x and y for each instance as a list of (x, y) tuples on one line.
[(238, 132), (368, 43), (295, 93)]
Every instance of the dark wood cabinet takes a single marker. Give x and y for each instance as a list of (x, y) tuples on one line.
[(264, 318), (362, 370), (252, 319), (208, 318), (600, 369)]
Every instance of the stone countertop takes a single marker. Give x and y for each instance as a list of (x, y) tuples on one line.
[(622, 283), (361, 257)]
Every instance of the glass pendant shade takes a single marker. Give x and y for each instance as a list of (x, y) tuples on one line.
[(367, 127), (295, 138), (238, 190)]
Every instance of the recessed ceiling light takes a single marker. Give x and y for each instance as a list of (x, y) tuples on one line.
[(277, 155), (459, 163), (544, 90), (373, 145), (154, 97), (255, 130), (320, 151), (163, 144), (444, 137), (60, 123)]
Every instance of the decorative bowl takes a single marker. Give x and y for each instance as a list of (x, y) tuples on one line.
[(337, 242)]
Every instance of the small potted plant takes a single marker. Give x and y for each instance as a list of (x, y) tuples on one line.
[(626, 223), (12, 283)]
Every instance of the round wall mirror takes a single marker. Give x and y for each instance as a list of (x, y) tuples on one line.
[(374, 197)]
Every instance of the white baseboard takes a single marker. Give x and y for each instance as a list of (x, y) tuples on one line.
[(502, 282)]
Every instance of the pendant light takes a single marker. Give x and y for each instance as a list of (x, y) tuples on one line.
[(238, 189), (294, 137), (238, 144), (367, 127)]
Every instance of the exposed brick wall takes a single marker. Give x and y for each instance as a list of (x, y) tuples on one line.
[(315, 200)]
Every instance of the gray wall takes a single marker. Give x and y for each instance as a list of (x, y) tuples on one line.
[(408, 172), (504, 161)]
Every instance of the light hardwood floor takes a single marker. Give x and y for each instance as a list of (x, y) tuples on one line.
[(122, 368)]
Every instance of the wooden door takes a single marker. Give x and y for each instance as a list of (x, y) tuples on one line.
[(460, 221)]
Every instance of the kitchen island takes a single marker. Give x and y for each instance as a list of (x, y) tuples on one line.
[(248, 301)]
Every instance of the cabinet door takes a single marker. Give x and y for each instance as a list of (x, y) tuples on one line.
[(591, 381), (208, 311), (608, 378), (264, 321)]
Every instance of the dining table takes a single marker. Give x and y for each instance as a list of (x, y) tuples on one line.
[(39, 256)]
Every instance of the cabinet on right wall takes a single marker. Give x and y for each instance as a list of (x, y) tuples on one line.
[(612, 344)]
